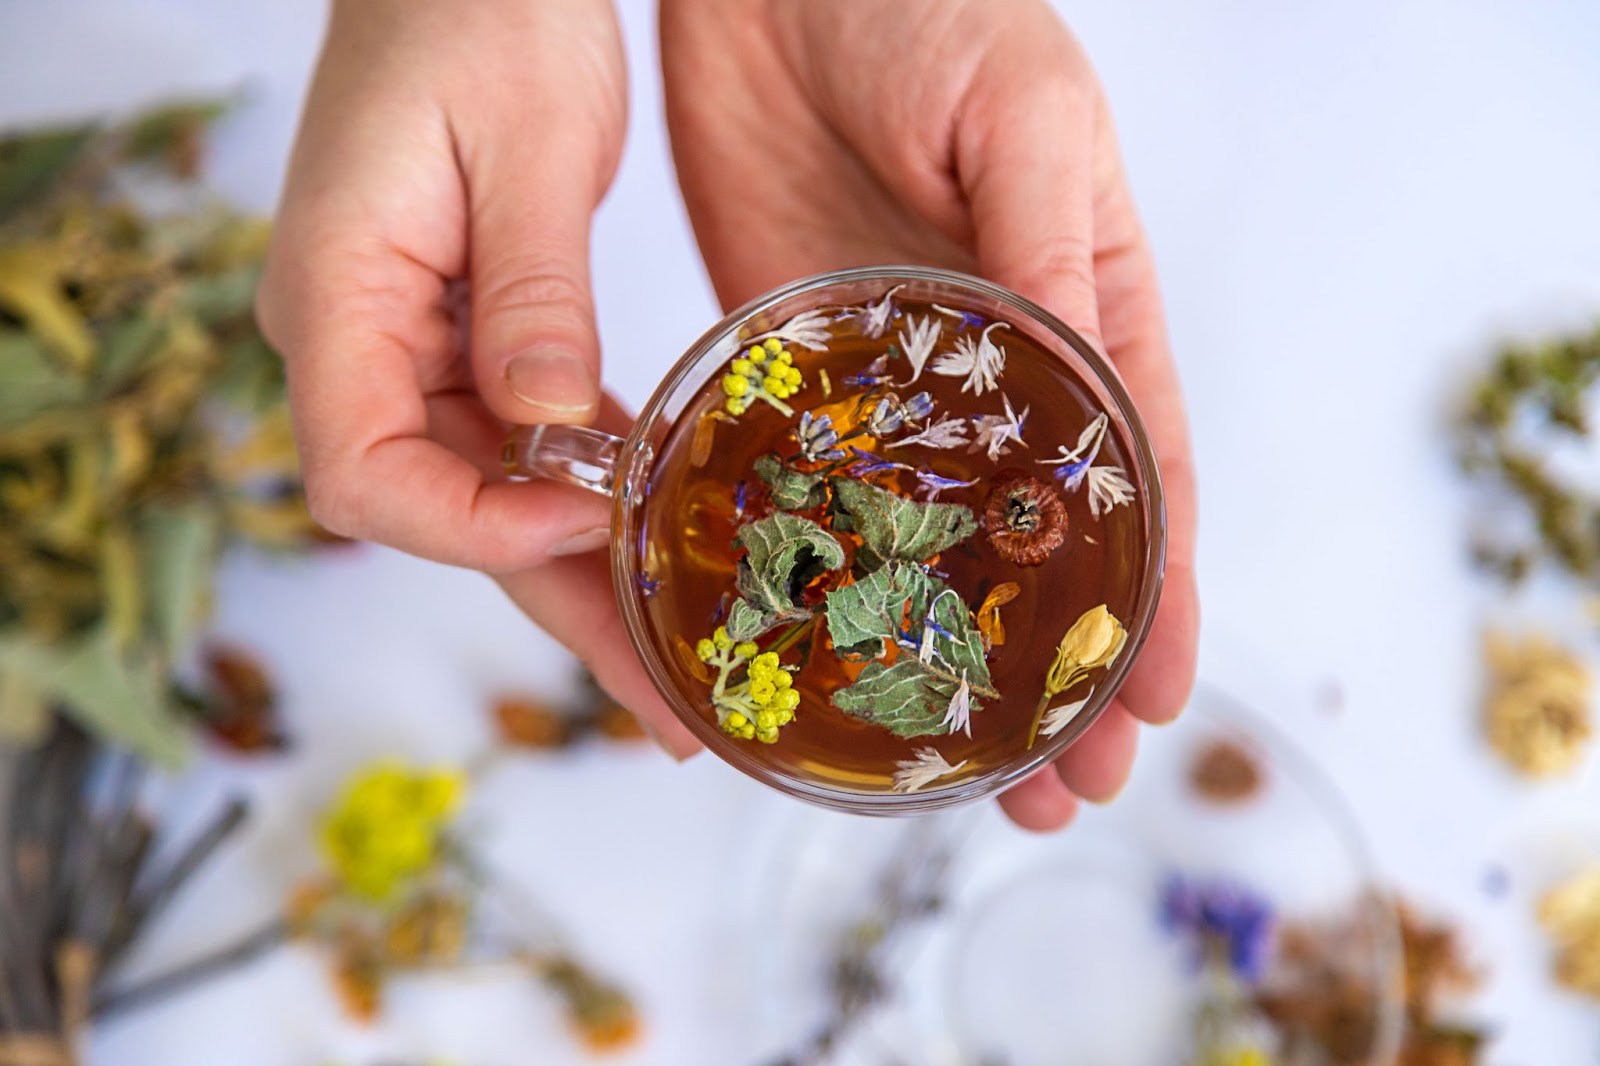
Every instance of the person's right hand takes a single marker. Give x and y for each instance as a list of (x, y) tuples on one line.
[(448, 142)]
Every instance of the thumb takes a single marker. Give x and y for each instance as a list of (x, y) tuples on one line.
[(535, 351)]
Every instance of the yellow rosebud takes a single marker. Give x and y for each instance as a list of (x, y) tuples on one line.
[(1094, 639)]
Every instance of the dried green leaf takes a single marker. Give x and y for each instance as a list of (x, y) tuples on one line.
[(784, 554), (906, 699), (893, 527), (32, 163), (24, 712), (129, 342), (912, 697), (30, 380), (747, 623), (862, 615), (31, 287), (179, 550), (123, 699), (790, 489), (171, 135)]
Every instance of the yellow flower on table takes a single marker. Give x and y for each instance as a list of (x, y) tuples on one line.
[(386, 825)]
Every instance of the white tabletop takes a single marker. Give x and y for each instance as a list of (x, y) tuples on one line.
[(1350, 203)]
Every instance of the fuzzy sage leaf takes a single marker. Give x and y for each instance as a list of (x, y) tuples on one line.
[(862, 615), (892, 527), (790, 489), (784, 553)]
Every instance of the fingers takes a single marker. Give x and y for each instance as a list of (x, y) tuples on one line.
[(1025, 158), (1040, 802), (1136, 340), (534, 178), (572, 599), (1097, 765)]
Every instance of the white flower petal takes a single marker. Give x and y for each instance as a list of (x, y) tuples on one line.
[(918, 340), (948, 432), (1060, 717), (1108, 488), (923, 768), (958, 718)]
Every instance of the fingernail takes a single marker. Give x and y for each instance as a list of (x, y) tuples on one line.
[(553, 380), (587, 541)]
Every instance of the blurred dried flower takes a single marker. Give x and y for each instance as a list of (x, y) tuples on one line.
[(1570, 914), (1538, 706), (1224, 772)]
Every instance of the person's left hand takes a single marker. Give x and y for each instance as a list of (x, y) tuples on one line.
[(971, 134)]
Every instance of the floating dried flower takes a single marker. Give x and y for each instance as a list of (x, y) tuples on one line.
[(958, 718), (980, 361), (1570, 915), (1226, 921), (989, 623), (993, 433), (763, 703), (925, 766), (1025, 518), (931, 484), (809, 329), (1094, 640), (1074, 464), (1538, 706), (868, 463), (887, 417), (874, 318), (948, 432), (918, 339), (648, 586), (1058, 718), (1108, 488), (765, 372), (873, 374), (965, 319), (817, 438), (741, 493), (705, 433)]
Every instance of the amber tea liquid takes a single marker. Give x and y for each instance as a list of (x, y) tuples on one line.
[(694, 512)]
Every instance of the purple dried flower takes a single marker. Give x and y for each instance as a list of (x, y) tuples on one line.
[(1225, 921)]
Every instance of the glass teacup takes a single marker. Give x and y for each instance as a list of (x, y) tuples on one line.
[(886, 539)]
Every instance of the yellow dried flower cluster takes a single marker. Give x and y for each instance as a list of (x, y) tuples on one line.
[(1570, 914), (763, 703), (386, 826), (765, 372), (1538, 705)]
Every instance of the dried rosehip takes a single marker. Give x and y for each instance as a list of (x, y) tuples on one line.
[(1025, 518)]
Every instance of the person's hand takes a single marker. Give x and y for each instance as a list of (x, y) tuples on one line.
[(429, 283), (971, 134)]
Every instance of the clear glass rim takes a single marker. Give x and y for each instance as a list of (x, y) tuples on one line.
[(638, 446)]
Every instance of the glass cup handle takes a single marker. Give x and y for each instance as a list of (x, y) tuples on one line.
[(576, 455)]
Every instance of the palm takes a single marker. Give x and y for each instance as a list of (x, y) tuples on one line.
[(968, 134)]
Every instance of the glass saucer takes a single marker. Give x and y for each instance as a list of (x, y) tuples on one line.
[(1047, 949)]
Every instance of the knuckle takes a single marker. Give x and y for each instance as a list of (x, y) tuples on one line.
[(331, 504), (530, 283)]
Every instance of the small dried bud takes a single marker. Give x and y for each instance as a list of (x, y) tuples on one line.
[(1538, 705), (1223, 772), (1025, 518)]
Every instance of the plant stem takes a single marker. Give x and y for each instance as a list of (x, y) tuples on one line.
[(195, 971)]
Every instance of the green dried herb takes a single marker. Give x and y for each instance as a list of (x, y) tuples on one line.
[(784, 553), (791, 490), (143, 424), (1532, 400), (893, 527)]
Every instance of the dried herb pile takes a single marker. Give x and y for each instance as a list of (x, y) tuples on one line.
[(142, 423)]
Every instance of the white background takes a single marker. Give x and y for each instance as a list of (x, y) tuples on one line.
[(1350, 203)]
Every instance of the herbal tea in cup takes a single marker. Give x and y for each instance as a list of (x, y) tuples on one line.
[(886, 539)]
